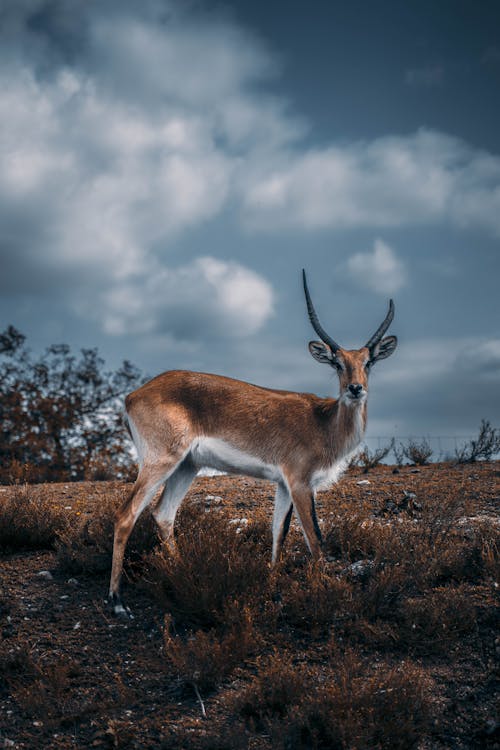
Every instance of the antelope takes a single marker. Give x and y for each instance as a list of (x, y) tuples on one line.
[(182, 421)]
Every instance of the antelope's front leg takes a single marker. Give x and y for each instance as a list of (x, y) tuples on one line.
[(281, 518), (303, 501)]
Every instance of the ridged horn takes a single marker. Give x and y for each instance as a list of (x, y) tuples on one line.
[(314, 318), (375, 339)]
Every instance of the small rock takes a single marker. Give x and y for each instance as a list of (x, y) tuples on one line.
[(72, 582), (364, 481), (409, 495), (77, 625), (45, 574), (491, 727), (359, 568), (213, 498), (8, 743)]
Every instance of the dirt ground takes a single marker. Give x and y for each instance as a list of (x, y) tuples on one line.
[(77, 677)]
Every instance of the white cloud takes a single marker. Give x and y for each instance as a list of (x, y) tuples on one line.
[(424, 178), (379, 270), (205, 299), (105, 163)]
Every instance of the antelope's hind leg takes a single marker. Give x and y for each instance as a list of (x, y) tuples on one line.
[(151, 477), (174, 493)]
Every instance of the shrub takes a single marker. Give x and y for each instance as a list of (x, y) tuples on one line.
[(204, 659), (370, 459), (357, 535), (431, 623), (314, 599), (486, 445), (216, 569), (29, 520), (417, 452), (87, 546), (343, 706)]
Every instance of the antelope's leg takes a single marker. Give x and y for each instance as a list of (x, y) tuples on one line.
[(150, 478), (283, 508), (303, 502), (174, 493)]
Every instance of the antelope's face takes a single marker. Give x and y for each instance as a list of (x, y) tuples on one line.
[(352, 366), (352, 369)]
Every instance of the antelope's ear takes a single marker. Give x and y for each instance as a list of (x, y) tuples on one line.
[(384, 348), (321, 352)]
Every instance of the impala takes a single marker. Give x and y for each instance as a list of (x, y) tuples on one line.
[(182, 421)]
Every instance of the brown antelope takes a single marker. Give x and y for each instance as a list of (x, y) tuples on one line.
[(182, 421)]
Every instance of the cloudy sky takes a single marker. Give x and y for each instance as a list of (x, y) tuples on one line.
[(168, 167)]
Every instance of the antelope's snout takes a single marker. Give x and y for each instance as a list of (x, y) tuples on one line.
[(355, 390)]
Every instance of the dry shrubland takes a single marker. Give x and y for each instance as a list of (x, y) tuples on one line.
[(368, 648)]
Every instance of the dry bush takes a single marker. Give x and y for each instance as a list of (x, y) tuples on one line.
[(16, 660), (43, 689), (51, 689), (277, 686), (87, 546), (491, 559), (29, 521), (428, 545), (341, 706), (204, 659), (379, 593), (358, 535), (314, 599), (368, 459), (216, 570), (417, 452), (47, 694), (17, 472), (485, 446), (436, 621)]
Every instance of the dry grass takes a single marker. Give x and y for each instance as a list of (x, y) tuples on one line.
[(87, 545), (347, 653), (219, 569), (204, 659), (29, 522), (342, 705)]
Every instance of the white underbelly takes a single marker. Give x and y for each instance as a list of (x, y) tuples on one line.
[(217, 454)]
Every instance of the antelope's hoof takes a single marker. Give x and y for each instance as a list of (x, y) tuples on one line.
[(118, 608)]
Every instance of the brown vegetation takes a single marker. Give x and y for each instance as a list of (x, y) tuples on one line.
[(387, 643)]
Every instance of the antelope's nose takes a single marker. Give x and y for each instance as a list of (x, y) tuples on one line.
[(355, 389)]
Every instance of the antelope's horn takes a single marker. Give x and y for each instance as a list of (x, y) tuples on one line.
[(314, 318), (382, 327)]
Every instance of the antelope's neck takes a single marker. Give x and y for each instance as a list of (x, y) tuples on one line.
[(349, 428)]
